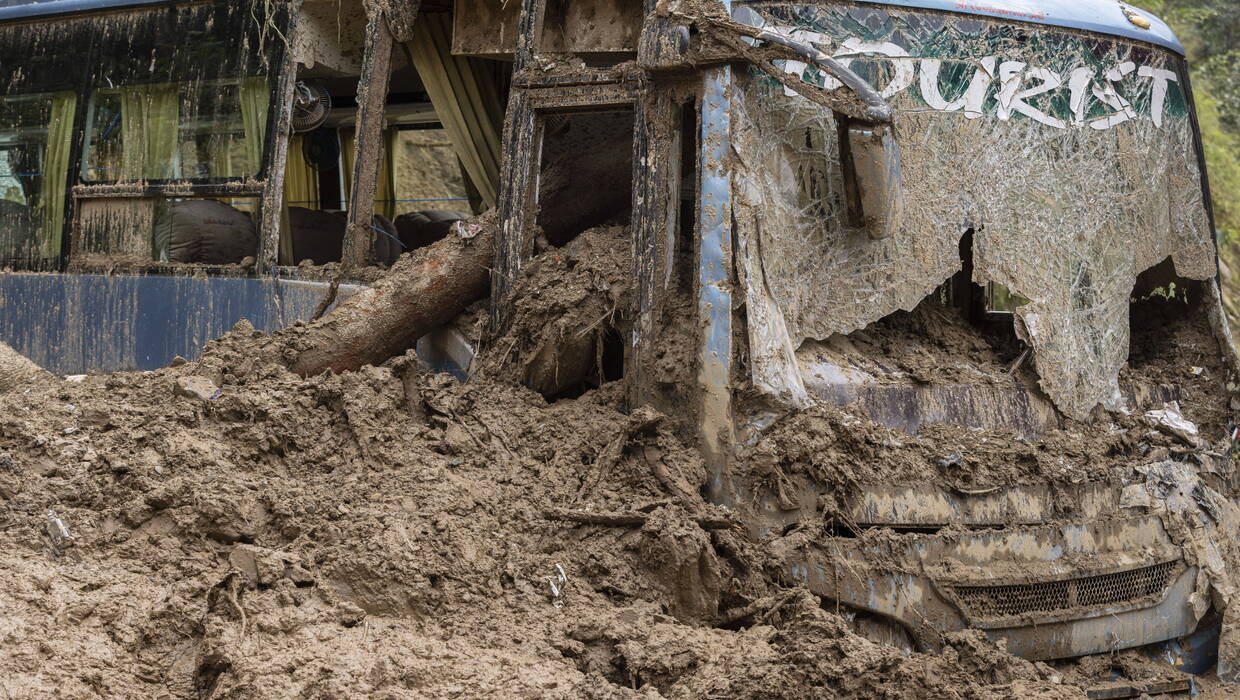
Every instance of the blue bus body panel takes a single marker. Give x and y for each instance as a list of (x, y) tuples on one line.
[(25, 9), (1101, 16), (73, 324)]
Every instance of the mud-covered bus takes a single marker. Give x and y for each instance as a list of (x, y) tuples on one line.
[(932, 284), (167, 166)]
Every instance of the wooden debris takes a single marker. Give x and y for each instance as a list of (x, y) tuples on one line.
[(632, 519)]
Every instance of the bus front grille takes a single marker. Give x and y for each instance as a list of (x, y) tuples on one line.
[(1104, 590)]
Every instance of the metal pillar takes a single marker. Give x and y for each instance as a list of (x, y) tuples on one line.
[(714, 281)]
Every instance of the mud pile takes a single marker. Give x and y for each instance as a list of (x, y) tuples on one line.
[(235, 530), (383, 532), (570, 302), (1174, 358)]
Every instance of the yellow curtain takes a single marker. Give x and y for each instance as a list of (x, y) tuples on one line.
[(301, 182), (149, 131), (255, 96), (301, 189), (348, 142), (465, 98), (385, 189), (220, 158), (56, 171)]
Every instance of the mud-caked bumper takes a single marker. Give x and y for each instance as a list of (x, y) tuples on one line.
[(1048, 591)]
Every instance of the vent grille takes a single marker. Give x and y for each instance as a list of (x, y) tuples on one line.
[(1057, 596)]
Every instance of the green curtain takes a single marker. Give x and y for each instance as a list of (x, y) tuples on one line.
[(466, 100), (255, 98), (149, 131), (56, 171)]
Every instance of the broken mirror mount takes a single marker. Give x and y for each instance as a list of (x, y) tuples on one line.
[(873, 178), (869, 152)]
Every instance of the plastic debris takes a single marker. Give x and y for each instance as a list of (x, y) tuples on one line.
[(951, 460), (197, 388), (1171, 421), (57, 533), (558, 583)]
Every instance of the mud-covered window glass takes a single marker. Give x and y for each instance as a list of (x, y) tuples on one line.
[(180, 93), (196, 131), (426, 171), (140, 230), (36, 134)]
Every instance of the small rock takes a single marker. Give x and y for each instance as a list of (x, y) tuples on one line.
[(349, 614), (177, 361), (196, 387)]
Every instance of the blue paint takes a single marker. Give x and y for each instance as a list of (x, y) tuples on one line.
[(1101, 16), (1196, 653), (714, 265), (25, 9), (73, 324), (799, 571)]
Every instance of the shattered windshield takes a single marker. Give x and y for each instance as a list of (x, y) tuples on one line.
[(1070, 163)]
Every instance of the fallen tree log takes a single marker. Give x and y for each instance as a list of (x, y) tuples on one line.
[(422, 291), (17, 370)]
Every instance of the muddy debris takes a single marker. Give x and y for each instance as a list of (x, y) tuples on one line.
[(386, 532)]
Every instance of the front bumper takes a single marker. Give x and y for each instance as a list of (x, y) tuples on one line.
[(1050, 591)]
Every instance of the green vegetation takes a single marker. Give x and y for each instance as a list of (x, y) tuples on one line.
[(1210, 31)]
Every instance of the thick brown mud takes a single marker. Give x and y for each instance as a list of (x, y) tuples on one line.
[(383, 533)]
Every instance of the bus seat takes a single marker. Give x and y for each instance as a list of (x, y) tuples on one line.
[(421, 228), (205, 231), (318, 236)]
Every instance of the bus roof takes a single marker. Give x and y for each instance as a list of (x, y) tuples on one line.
[(1101, 16)]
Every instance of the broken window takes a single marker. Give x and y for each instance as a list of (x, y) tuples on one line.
[(586, 173), (440, 154), (1074, 205), (1001, 300), (36, 133), (421, 190)]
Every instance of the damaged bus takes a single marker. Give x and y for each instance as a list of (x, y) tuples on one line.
[(933, 285), (171, 168), (971, 243)]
